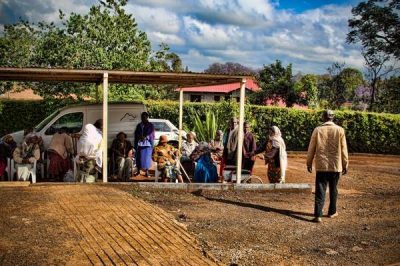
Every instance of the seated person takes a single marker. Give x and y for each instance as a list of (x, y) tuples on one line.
[(216, 146), (90, 154), (25, 155), (187, 148), (122, 161), (206, 170), (165, 156), (59, 154), (7, 146)]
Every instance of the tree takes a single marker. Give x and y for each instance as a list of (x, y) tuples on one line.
[(104, 38), (277, 84), (339, 85), (389, 98), (376, 24), (230, 69), (376, 69), (307, 90)]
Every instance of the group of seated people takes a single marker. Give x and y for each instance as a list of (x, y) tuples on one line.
[(195, 159)]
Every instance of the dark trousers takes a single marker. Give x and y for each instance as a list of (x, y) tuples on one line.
[(321, 182)]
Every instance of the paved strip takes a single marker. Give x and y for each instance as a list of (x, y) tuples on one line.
[(110, 227)]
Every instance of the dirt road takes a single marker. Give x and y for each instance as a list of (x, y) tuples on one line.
[(249, 228), (98, 224)]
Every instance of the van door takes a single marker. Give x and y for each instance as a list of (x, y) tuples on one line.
[(71, 122)]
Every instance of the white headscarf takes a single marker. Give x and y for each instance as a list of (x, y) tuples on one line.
[(89, 144), (278, 142)]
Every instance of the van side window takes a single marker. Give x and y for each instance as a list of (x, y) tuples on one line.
[(72, 122)]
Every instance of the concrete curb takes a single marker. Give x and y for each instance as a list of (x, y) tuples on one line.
[(15, 184), (191, 187)]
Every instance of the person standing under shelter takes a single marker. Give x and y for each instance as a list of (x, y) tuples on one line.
[(230, 142), (328, 146), (144, 141), (249, 148)]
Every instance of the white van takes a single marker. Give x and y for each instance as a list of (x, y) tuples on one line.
[(121, 117)]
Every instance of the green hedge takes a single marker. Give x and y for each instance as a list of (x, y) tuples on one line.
[(365, 132)]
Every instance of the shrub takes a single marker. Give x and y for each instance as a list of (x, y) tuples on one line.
[(365, 132)]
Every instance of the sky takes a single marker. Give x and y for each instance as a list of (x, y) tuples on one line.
[(310, 34)]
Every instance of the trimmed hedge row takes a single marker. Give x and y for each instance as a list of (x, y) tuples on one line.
[(365, 132)]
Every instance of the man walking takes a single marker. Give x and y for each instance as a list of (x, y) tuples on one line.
[(328, 146)]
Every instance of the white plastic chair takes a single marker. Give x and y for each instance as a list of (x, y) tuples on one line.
[(32, 171)]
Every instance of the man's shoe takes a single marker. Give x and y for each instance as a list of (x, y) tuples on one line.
[(333, 215), (317, 220)]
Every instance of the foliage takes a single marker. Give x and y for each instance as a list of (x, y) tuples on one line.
[(376, 24), (104, 38), (205, 129), (389, 97), (276, 82), (229, 68), (307, 90), (365, 132)]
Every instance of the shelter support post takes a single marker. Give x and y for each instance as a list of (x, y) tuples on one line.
[(240, 133), (180, 117), (105, 126)]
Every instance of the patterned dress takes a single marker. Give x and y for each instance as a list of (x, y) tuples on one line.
[(274, 169)]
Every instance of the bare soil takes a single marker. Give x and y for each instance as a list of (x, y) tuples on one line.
[(100, 224), (253, 228)]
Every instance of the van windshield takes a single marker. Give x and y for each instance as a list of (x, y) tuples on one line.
[(42, 124)]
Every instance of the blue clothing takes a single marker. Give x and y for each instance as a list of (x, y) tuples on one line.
[(143, 157), (206, 171), (145, 132)]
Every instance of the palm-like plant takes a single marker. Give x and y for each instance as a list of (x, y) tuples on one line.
[(205, 129)]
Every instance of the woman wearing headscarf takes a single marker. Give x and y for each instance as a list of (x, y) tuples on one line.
[(206, 170), (59, 152), (275, 156), (90, 154), (144, 141)]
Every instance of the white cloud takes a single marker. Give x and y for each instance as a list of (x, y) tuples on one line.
[(155, 19), (251, 32), (208, 36), (170, 39)]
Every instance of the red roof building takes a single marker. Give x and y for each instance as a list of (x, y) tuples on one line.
[(216, 93)]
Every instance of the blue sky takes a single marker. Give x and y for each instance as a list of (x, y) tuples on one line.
[(310, 34)]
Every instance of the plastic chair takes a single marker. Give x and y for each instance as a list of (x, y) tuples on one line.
[(32, 171)]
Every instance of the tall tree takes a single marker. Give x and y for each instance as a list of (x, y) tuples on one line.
[(376, 69), (229, 68), (276, 82), (104, 38), (389, 96), (376, 24), (307, 90)]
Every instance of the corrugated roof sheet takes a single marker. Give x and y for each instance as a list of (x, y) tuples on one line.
[(224, 88)]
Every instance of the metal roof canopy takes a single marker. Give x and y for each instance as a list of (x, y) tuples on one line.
[(132, 77), (116, 76)]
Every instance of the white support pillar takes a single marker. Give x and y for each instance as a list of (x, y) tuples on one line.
[(180, 117), (240, 133), (105, 127)]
